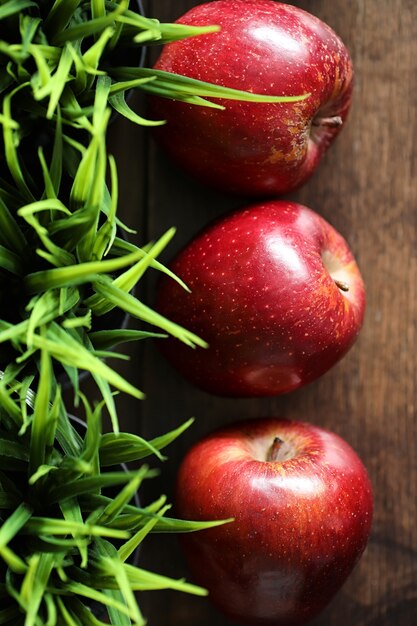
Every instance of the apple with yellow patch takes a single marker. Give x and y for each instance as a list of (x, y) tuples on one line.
[(265, 47)]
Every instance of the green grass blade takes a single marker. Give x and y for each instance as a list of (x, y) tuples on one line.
[(116, 568), (91, 485), (13, 455), (108, 398), (14, 524), (14, 6), (105, 236), (134, 307), (47, 307), (11, 142), (152, 30), (104, 549), (86, 591), (13, 561), (131, 277), (43, 470), (50, 204), (123, 86), (11, 235), (102, 339), (85, 176), (88, 28), (144, 580), (56, 84), (57, 256), (72, 512), (68, 351), (128, 548), (28, 27), (34, 585), (183, 86), (127, 447), (8, 530), (114, 508), (53, 526), (10, 261), (98, 8), (77, 274), (40, 425), (59, 15), (80, 610), (51, 610), (135, 517), (92, 56), (69, 618), (120, 105), (90, 452), (174, 32), (128, 247)]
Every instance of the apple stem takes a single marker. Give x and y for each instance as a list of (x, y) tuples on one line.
[(273, 453), (342, 285), (331, 122)]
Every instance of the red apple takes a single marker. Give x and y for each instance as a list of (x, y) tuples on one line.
[(267, 48), (302, 506), (276, 293)]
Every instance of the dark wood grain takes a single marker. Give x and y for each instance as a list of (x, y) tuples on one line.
[(367, 187)]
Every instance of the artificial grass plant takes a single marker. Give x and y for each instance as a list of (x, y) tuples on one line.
[(64, 544), (65, 267)]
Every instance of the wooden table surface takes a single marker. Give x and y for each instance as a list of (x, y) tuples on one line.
[(367, 188)]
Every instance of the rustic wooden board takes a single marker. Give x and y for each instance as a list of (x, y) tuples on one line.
[(367, 188)]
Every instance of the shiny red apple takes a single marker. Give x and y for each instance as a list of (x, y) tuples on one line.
[(301, 501), (276, 293), (265, 47)]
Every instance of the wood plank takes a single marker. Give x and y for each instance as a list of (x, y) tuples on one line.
[(366, 186)]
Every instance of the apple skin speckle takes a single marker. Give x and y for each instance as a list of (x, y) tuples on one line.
[(272, 313), (268, 48)]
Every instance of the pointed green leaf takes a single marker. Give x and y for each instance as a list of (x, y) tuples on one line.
[(14, 6), (120, 105)]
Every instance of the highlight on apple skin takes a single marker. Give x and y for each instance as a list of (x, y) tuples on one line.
[(302, 505), (276, 293), (264, 47)]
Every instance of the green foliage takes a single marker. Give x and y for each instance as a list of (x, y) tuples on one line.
[(66, 542), (68, 521), (76, 268)]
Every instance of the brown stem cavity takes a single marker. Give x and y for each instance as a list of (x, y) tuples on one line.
[(329, 122), (279, 451), (335, 269), (273, 452), (341, 284)]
